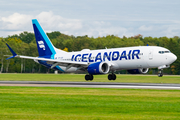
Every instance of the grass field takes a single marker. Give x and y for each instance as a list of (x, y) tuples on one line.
[(97, 78), (88, 103), (44, 103)]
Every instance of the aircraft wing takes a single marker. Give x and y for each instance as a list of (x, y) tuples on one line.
[(59, 62), (54, 62)]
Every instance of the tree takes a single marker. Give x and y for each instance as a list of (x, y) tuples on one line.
[(53, 35), (26, 37)]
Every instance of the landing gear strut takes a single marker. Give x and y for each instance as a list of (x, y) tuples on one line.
[(112, 76), (160, 74), (89, 77)]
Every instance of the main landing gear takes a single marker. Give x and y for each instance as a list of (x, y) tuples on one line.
[(89, 77), (160, 73), (112, 76)]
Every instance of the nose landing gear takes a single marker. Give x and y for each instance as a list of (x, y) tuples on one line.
[(160, 73)]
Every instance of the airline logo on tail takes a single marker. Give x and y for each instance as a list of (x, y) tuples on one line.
[(41, 45)]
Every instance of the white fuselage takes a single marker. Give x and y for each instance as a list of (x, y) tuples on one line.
[(121, 58)]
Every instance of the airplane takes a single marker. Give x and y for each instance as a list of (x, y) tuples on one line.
[(136, 60)]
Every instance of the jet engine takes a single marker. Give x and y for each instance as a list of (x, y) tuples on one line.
[(138, 71), (98, 68)]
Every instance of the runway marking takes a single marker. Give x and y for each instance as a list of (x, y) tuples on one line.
[(91, 84)]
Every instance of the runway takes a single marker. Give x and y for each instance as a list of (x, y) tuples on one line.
[(91, 84)]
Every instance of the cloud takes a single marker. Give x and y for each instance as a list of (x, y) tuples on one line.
[(171, 30), (52, 21), (117, 31), (145, 28), (15, 21), (22, 22)]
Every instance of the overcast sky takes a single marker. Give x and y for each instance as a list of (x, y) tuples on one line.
[(156, 18)]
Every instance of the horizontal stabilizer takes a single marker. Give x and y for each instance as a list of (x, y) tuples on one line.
[(12, 51)]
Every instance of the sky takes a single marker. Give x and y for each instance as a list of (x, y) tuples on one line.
[(95, 18)]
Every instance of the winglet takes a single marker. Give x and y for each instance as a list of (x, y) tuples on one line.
[(14, 54)]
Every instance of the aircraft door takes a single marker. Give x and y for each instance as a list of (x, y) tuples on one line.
[(151, 54), (150, 60)]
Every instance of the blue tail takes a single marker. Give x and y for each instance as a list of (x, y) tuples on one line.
[(44, 45)]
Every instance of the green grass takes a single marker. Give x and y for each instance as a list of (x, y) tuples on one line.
[(97, 78), (88, 103)]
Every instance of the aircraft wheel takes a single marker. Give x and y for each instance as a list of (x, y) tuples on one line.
[(86, 77), (89, 77), (110, 77), (114, 76), (160, 74)]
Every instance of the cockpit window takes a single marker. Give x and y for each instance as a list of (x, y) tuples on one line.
[(162, 52)]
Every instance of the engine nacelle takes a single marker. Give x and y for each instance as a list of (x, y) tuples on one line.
[(98, 68), (138, 71)]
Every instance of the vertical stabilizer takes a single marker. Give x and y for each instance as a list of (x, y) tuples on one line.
[(44, 45)]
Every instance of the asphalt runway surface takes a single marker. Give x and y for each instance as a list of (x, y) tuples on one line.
[(91, 84)]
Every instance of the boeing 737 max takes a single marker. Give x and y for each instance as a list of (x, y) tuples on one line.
[(136, 60)]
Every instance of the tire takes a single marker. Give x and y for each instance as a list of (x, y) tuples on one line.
[(160, 75), (113, 76), (110, 77), (91, 77), (87, 77)]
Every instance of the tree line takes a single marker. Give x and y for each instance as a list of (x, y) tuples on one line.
[(25, 44)]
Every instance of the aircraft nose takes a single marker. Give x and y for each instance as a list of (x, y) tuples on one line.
[(175, 57), (172, 58)]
